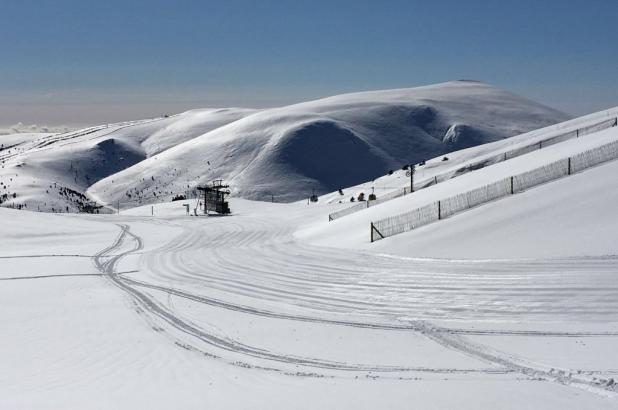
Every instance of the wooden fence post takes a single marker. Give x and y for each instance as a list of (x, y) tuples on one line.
[(439, 210), (512, 191), (569, 166), (373, 228)]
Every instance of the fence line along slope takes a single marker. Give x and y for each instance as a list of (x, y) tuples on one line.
[(500, 151), (444, 208)]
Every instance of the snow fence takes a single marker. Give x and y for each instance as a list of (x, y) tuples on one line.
[(509, 186), (366, 204), (516, 152)]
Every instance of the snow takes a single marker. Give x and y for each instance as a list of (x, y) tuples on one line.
[(510, 305), (459, 160), (41, 166), (83, 341), (10, 140), (285, 152), (353, 230), (572, 217), (334, 142)]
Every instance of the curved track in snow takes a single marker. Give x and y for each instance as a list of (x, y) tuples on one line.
[(107, 264), (238, 263), (255, 260)]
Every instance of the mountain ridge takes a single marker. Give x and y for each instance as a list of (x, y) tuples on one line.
[(287, 152)]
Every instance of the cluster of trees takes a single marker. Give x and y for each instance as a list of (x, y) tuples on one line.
[(81, 202), (7, 194), (5, 197)]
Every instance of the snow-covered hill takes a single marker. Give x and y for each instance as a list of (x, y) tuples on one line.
[(465, 160), (285, 152), (564, 218), (51, 172), (512, 304), (334, 142)]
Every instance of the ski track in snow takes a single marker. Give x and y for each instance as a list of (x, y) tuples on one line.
[(368, 290), (107, 267), (331, 280)]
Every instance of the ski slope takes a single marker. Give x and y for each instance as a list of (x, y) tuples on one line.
[(510, 305), (353, 231), (130, 310), (462, 161), (571, 217)]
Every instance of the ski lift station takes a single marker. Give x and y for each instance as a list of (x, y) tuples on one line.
[(214, 197)]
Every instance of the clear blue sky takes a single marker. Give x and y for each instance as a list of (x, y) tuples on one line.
[(82, 61)]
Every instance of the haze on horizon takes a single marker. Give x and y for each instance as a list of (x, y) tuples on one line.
[(74, 63)]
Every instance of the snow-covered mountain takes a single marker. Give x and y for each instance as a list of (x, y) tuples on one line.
[(51, 172), (511, 303), (562, 206), (286, 152)]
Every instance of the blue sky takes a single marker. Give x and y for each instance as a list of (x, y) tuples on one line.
[(77, 62)]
